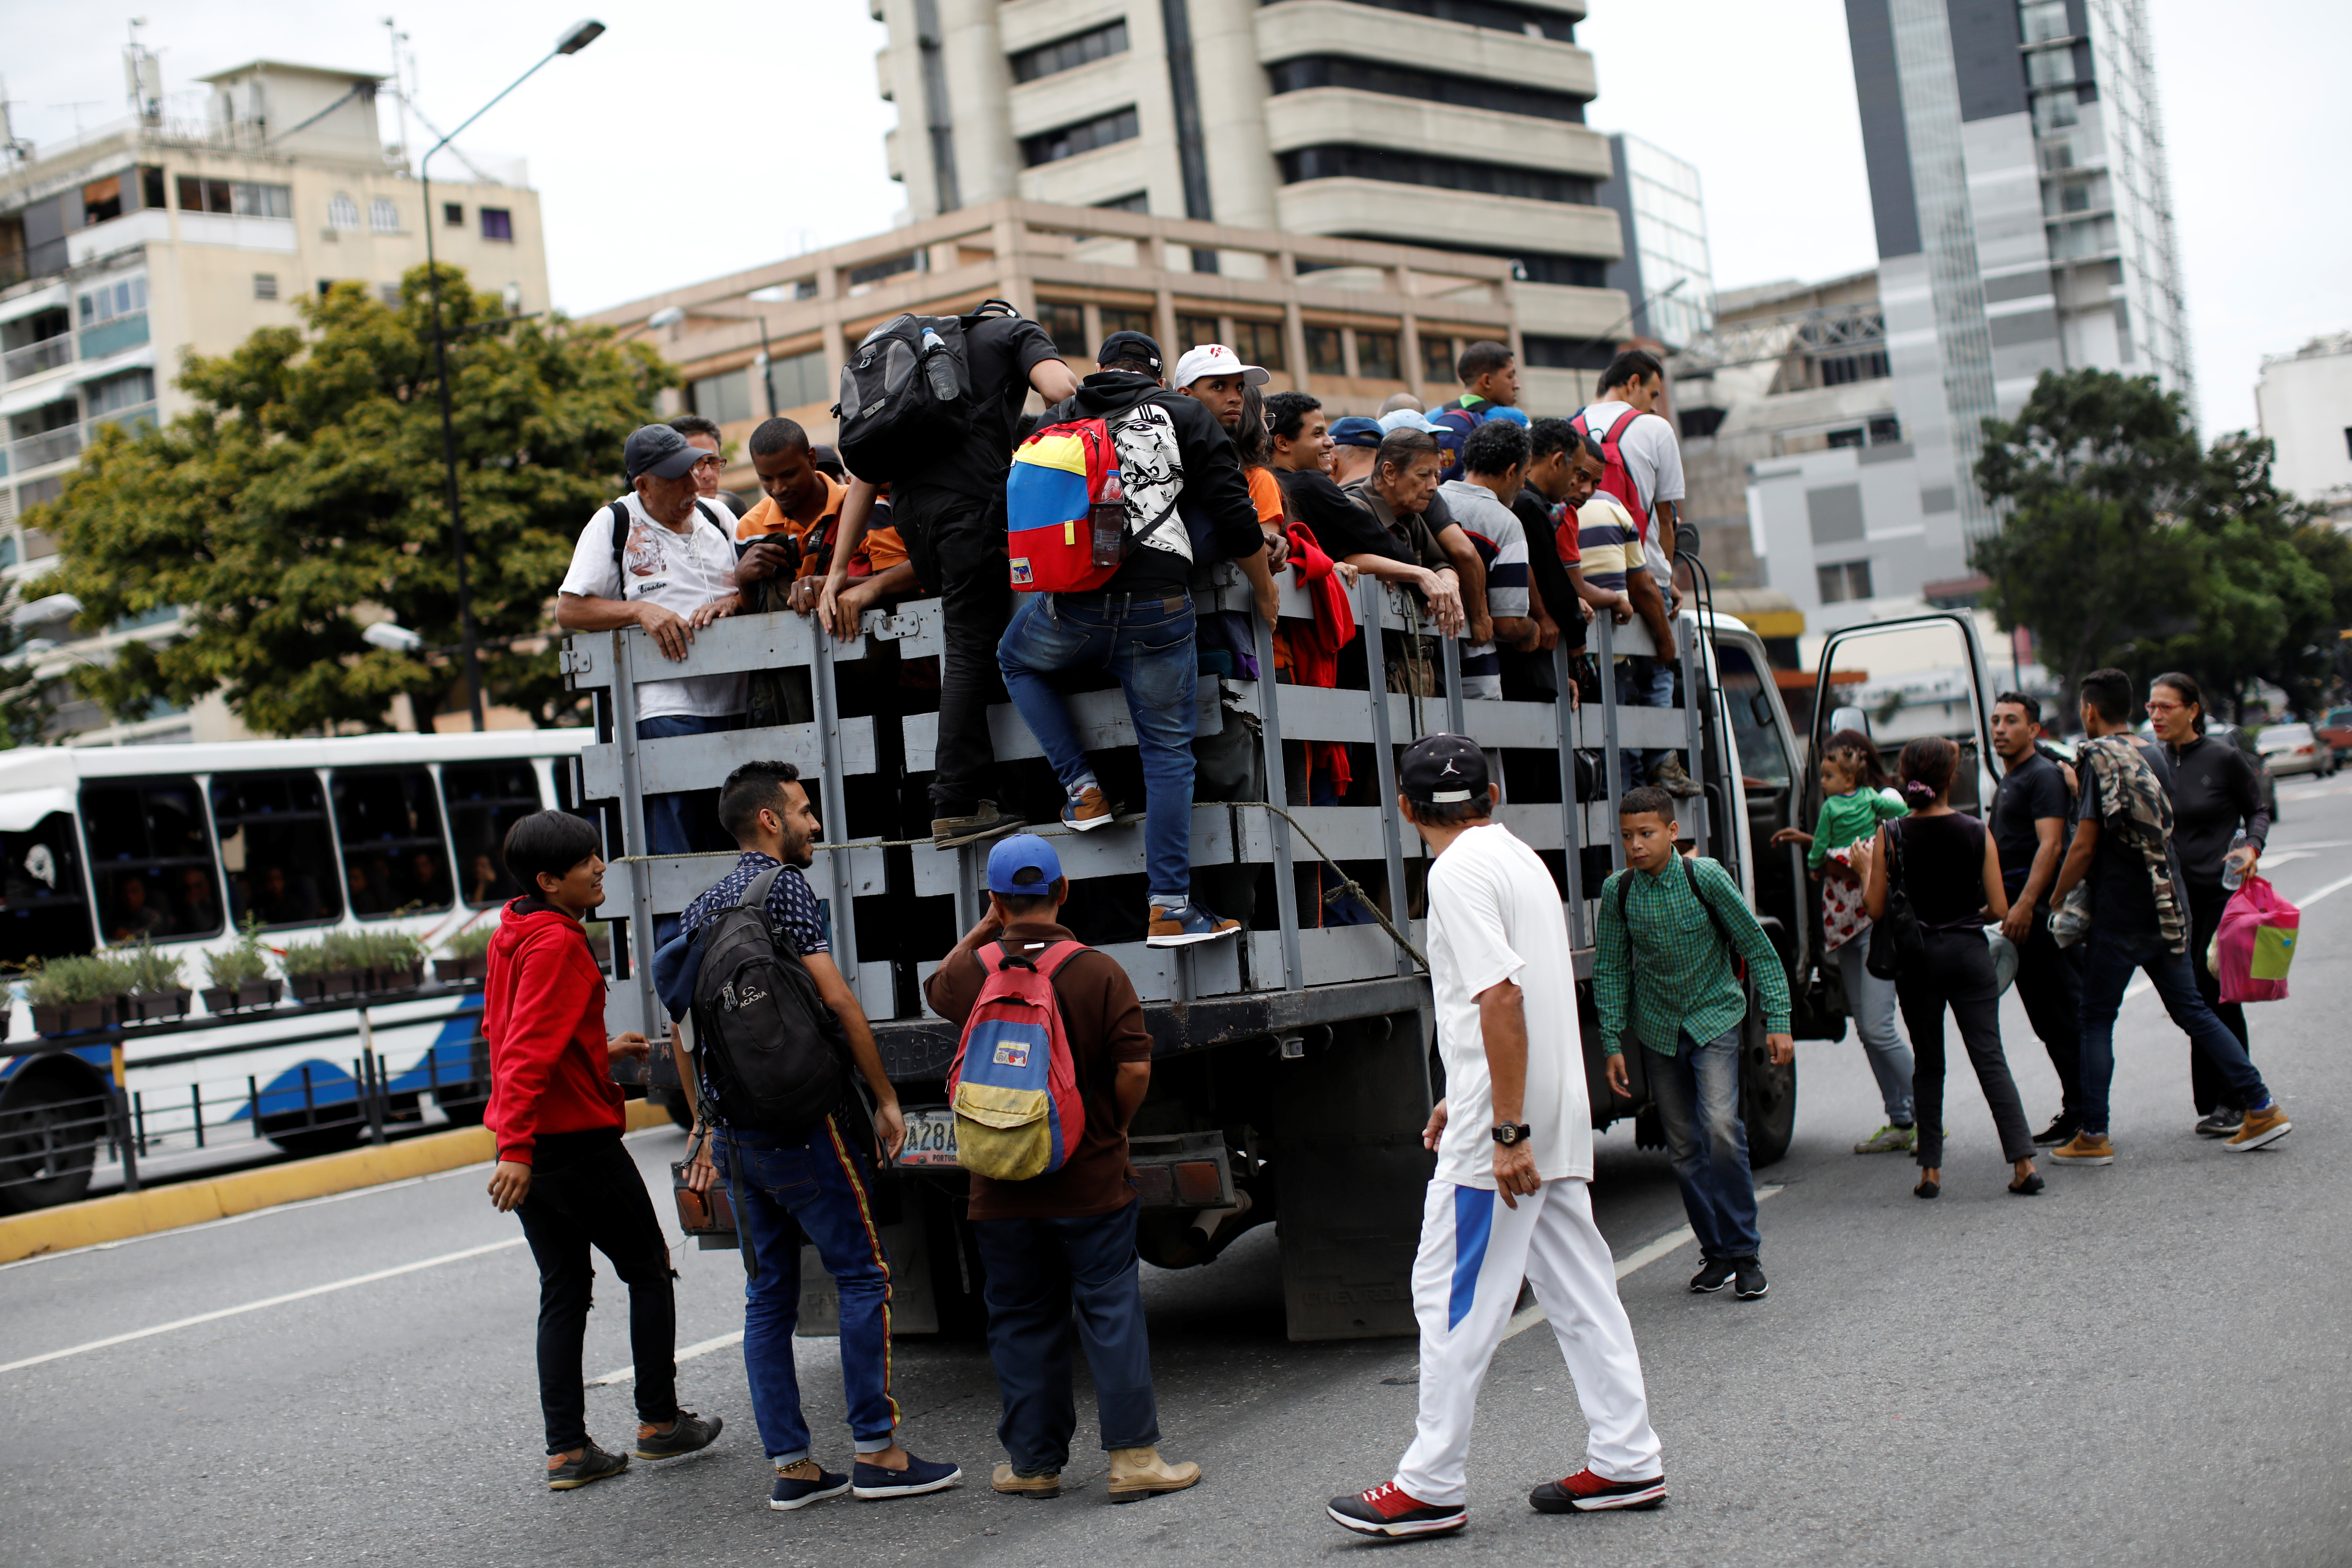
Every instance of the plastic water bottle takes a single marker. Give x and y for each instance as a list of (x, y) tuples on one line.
[(2233, 865), (1108, 522), (938, 367)]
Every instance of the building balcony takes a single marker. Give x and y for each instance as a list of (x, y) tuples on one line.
[(33, 358), (113, 337), (1435, 216), (49, 446), (1322, 115), (1297, 28)]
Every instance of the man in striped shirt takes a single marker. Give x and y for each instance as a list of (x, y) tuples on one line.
[(1495, 459)]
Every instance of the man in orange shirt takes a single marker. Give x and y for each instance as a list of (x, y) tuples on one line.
[(787, 539)]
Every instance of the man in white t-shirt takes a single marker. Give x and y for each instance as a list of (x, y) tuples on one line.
[(1514, 1144), (671, 571)]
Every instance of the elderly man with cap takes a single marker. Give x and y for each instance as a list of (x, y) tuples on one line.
[(1173, 458), (1064, 1242), (663, 558), (1354, 440), (1509, 1199)]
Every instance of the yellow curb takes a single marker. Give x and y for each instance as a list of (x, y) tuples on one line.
[(126, 1215)]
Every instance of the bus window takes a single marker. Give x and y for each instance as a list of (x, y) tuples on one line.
[(276, 848), (151, 858), (393, 858), (42, 912), (1763, 760), (485, 800), (603, 814)]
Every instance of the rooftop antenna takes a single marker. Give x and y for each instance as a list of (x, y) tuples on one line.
[(12, 146), (142, 78), (399, 92)]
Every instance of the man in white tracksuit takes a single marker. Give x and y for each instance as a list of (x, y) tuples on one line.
[(1514, 1143)]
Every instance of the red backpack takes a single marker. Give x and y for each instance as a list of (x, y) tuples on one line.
[(1014, 1085), (1064, 483), (1617, 481)]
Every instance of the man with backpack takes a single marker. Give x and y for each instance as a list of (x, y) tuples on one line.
[(1674, 931), (1490, 380), (945, 475), (1055, 1030), (663, 559), (1134, 616), (777, 1116)]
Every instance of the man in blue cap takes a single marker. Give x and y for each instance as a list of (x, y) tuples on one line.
[(663, 559), (1355, 441), (1065, 1240)]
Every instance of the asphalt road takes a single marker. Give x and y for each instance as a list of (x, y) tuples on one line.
[(2146, 1364)]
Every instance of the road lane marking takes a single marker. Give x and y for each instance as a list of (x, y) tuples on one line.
[(622, 1374), (1640, 1258), (2335, 887), (258, 1305)]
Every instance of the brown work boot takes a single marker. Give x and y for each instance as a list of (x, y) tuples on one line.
[(2267, 1125), (984, 821), (2085, 1149), (1012, 1483), (1090, 810), (1142, 1472), (1184, 924)]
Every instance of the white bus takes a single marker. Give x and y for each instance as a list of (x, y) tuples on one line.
[(178, 844)]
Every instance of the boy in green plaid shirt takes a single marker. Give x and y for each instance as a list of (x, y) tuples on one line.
[(1669, 930)]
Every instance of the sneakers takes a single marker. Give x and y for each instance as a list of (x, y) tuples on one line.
[(2223, 1121), (2061, 1129), (1713, 1276), (1090, 811), (1751, 1284), (1585, 1493), (2267, 1125), (1012, 1483), (791, 1494), (1889, 1140), (1142, 1472), (873, 1481), (592, 1465), (1389, 1509), (1185, 924), (687, 1434), (1669, 776), (984, 821), (2085, 1149)]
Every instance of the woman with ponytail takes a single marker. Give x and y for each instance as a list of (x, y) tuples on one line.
[(1948, 865)]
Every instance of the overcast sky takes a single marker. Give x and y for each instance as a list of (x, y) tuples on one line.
[(696, 140)]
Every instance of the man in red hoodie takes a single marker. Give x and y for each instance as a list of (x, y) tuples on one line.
[(556, 1114)]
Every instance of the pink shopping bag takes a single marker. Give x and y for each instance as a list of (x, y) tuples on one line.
[(2255, 942)]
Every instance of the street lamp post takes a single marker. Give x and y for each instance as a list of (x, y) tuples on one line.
[(576, 39)]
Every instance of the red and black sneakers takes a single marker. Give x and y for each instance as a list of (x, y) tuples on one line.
[(1585, 1493), (1389, 1509)]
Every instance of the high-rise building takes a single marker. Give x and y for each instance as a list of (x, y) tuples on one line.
[(1664, 271), (2016, 177), (1452, 124), (141, 239), (2305, 399)]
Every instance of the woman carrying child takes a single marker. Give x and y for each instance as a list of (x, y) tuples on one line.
[(1855, 801)]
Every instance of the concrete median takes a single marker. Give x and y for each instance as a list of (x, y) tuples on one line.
[(196, 1201)]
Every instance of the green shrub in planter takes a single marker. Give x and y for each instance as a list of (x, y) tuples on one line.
[(241, 964), (81, 992), (473, 943)]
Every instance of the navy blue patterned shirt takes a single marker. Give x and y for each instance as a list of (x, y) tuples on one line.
[(792, 907)]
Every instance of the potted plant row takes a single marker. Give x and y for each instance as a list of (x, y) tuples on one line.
[(467, 955), (353, 964), (82, 991), (157, 990), (240, 976)]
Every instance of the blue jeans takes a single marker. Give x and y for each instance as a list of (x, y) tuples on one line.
[(822, 1183), (1038, 1270), (2108, 960), (1698, 1095), (1871, 1001), (1644, 682), (1147, 644), (684, 824)]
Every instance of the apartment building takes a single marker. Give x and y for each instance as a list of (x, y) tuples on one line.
[(1454, 124), (149, 236), (2305, 401), (2024, 223)]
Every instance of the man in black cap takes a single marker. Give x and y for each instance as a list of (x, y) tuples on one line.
[(1173, 458), (663, 558)]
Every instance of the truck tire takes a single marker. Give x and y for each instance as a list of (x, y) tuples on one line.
[(52, 1114), (1767, 1097)]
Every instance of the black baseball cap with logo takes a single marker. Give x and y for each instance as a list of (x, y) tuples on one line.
[(1443, 769), (1129, 345), (658, 450)]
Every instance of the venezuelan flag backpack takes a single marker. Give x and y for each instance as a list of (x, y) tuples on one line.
[(1064, 511), (1014, 1085)]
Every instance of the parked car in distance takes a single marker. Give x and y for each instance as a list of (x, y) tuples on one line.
[(2294, 749), (2334, 727)]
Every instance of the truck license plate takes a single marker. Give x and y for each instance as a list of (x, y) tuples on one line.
[(931, 1139)]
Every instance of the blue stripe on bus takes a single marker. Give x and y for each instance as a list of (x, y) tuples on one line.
[(451, 1060)]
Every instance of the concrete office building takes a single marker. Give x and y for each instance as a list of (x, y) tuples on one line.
[(2017, 178), (1454, 123), (2305, 401), (1665, 272), (136, 240)]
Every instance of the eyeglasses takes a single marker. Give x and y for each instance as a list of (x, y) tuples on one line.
[(2156, 707)]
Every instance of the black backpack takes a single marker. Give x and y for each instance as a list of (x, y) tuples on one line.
[(907, 397), (771, 1049), (620, 511)]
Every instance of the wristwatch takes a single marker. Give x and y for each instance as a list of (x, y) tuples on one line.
[(1510, 1132)]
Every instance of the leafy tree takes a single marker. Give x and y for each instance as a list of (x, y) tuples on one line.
[(23, 700), (304, 496)]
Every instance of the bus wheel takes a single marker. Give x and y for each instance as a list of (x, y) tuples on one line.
[(52, 1114), (1767, 1097)]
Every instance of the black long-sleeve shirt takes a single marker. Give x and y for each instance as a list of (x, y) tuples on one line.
[(2214, 792)]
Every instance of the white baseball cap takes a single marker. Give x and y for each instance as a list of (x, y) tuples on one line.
[(1408, 419), (1215, 359)]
